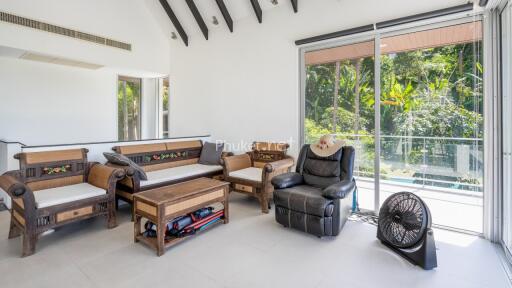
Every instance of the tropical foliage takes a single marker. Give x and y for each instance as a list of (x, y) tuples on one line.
[(434, 94)]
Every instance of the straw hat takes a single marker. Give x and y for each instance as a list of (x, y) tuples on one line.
[(326, 146)]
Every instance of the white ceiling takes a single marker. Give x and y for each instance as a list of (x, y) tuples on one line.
[(238, 9)]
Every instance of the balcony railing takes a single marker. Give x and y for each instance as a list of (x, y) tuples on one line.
[(442, 163)]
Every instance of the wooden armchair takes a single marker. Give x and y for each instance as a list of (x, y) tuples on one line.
[(251, 173), (55, 188)]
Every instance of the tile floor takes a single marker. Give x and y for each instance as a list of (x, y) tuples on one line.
[(251, 251)]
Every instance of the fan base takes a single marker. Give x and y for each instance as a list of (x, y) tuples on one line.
[(423, 254)]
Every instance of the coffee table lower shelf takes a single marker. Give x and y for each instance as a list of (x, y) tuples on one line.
[(152, 242)]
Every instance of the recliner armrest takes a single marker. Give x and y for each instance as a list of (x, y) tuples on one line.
[(287, 180), (339, 190)]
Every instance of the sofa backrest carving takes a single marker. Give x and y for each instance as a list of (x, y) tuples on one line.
[(157, 156), (265, 152), (50, 169)]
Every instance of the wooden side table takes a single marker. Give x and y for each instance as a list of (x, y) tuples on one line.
[(161, 205)]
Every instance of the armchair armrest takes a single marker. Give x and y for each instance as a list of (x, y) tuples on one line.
[(104, 176), (127, 169), (226, 154), (12, 186), (287, 180), (236, 162), (283, 164), (10, 182), (272, 169), (339, 190)]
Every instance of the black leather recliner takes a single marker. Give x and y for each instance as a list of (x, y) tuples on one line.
[(317, 198)]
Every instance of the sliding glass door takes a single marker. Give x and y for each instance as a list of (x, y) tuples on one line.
[(506, 41), (429, 139), (339, 100), (432, 121)]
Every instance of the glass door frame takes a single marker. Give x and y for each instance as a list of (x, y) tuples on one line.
[(376, 36), (503, 207)]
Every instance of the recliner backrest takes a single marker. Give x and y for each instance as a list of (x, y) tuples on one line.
[(324, 171)]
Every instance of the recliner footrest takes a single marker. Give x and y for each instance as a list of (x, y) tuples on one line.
[(319, 226)]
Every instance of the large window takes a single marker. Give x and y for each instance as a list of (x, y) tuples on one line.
[(429, 139), (128, 108)]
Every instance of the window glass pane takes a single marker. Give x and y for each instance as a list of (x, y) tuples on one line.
[(340, 100), (432, 121), (165, 109), (128, 104)]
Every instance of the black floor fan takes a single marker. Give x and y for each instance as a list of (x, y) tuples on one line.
[(405, 227)]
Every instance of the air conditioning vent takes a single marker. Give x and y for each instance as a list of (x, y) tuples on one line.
[(58, 60), (13, 19)]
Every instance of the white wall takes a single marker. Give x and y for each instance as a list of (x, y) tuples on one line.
[(244, 85), (123, 20), (149, 110), (50, 104)]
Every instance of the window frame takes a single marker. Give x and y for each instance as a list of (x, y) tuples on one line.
[(376, 36)]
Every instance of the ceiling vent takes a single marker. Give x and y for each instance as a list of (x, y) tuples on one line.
[(58, 60), (13, 19)]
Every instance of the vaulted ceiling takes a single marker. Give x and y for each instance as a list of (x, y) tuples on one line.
[(187, 15)]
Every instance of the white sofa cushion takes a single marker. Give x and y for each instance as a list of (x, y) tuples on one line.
[(251, 173), (66, 194), (176, 173)]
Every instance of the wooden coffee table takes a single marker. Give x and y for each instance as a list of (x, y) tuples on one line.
[(163, 204)]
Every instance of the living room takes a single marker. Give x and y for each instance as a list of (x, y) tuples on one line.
[(287, 131)]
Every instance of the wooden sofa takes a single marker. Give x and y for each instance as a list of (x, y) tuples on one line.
[(55, 188), (251, 173), (165, 164)]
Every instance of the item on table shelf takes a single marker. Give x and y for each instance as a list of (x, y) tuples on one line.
[(178, 224), (201, 213), (201, 225), (405, 227)]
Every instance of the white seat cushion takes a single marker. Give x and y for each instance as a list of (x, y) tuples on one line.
[(66, 194), (176, 173), (251, 173)]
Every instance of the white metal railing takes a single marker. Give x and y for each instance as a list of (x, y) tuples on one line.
[(419, 161)]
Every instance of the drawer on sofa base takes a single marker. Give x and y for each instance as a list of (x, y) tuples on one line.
[(72, 214), (244, 188)]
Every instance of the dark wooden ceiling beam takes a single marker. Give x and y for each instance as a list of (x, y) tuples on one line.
[(174, 21), (225, 14), (257, 10), (295, 5), (199, 19)]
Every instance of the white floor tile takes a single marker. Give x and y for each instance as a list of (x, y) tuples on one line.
[(251, 251)]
